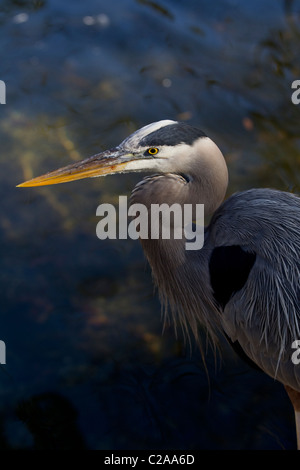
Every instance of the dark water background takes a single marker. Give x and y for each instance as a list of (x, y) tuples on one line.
[(87, 363)]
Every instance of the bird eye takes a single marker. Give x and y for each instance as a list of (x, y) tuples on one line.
[(152, 151)]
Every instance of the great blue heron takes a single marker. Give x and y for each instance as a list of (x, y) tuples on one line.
[(244, 282)]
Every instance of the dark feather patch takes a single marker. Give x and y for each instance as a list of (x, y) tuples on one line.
[(229, 268), (173, 134)]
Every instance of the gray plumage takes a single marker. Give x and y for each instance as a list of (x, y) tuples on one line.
[(263, 316), (244, 282)]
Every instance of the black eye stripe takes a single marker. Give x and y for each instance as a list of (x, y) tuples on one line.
[(173, 134)]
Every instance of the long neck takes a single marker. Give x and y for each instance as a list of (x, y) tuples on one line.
[(208, 174), (183, 282), (182, 276)]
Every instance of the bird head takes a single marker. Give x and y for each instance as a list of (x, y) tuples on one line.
[(161, 147)]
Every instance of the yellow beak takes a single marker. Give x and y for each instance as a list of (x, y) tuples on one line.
[(108, 162)]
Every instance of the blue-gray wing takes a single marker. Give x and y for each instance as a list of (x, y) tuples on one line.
[(254, 272)]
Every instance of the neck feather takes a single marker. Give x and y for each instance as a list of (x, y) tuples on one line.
[(182, 277)]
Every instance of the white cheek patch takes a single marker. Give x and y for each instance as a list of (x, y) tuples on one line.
[(140, 165), (167, 160)]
